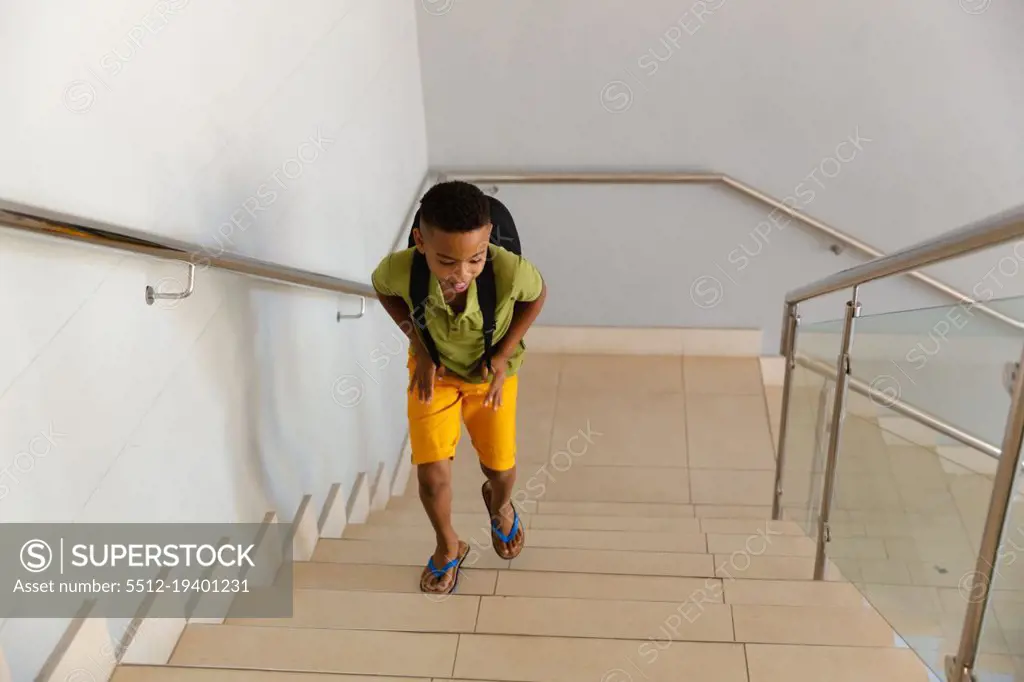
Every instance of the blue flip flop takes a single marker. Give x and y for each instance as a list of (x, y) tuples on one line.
[(440, 572), (496, 533), (513, 531)]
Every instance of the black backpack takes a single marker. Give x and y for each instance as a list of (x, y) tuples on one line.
[(504, 234)]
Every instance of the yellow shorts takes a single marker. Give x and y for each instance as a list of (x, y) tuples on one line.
[(435, 427)]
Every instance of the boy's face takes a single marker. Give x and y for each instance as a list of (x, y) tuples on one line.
[(455, 258)]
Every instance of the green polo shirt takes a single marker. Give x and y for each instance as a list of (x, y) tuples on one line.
[(459, 337)]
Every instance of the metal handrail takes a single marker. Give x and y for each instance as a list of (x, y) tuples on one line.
[(38, 221), (993, 231), (707, 177)]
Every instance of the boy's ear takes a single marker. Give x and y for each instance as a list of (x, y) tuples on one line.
[(418, 237)]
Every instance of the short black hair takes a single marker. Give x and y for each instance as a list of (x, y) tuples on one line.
[(455, 206)]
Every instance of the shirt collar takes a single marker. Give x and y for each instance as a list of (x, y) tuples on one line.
[(472, 304)]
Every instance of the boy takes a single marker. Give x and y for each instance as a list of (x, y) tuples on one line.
[(453, 235)]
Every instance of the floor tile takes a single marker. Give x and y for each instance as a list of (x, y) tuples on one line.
[(791, 593), (375, 611), (618, 484), (344, 651), (782, 663), (541, 370), (639, 430), (377, 578), (595, 586), (622, 373), (729, 432), (720, 486), (552, 659), (605, 561), (722, 375), (641, 620), (823, 625)]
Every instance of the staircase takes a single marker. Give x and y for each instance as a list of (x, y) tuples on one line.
[(645, 484)]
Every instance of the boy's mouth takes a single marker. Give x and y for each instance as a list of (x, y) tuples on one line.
[(459, 287)]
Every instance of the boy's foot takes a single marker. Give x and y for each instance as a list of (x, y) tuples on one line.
[(441, 574), (508, 543)]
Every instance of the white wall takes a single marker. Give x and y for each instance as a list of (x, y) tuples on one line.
[(301, 122), (763, 91)]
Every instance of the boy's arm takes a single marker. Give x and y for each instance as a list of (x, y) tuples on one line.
[(399, 311), (523, 315), (384, 281)]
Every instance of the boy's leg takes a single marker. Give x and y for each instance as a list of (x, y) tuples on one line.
[(434, 430), (494, 438), (436, 495)]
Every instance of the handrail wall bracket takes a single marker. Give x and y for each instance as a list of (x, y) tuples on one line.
[(152, 295)]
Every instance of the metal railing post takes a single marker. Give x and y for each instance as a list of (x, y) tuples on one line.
[(787, 347), (838, 413), (961, 667)]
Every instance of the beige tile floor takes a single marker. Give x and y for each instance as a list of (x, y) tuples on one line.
[(649, 556)]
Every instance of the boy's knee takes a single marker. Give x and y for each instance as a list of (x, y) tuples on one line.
[(499, 476), (433, 478)]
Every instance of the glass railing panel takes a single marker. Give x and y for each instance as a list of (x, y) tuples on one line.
[(947, 360), (811, 396), (906, 531), (1002, 639)]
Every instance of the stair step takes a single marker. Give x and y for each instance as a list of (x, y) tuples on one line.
[(622, 509), (760, 544), (614, 562), (399, 612), (778, 663), (614, 484), (361, 652), (812, 625), (381, 578), (477, 529), (693, 543), (416, 517), (169, 673), (682, 526), (732, 511), (463, 502), (612, 619), (597, 586), (727, 526), (481, 554), (743, 565), (556, 659), (786, 592)]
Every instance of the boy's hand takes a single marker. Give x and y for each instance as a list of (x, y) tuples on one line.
[(423, 376), (497, 377)]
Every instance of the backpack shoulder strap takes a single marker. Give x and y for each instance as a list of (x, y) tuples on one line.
[(486, 293), (419, 285)]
